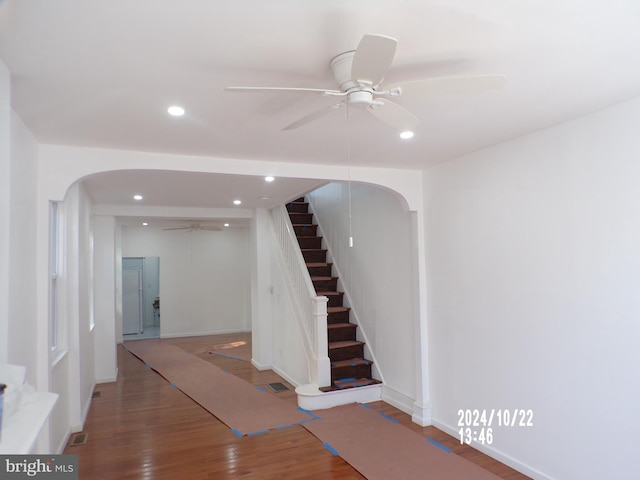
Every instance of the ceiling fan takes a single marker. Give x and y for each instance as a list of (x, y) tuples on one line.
[(359, 74), (196, 227)]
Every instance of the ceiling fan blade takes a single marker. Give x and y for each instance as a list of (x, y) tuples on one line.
[(178, 228), (321, 91), (372, 59), (314, 116), (449, 85), (394, 115), (210, 228)]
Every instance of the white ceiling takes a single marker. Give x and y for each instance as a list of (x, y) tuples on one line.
[(102, 73)]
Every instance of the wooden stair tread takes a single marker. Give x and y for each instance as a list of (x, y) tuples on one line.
[(344, 344), (332, 326), (317, 278), (350, 383), (317, 264), (337, 309), (329, 293), (351, 362)]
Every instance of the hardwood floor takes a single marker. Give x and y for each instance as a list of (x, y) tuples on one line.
[(141, 427)]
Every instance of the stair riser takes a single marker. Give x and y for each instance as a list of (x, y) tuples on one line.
[(355, 351), (334, 300), (338, 317), (320, 271), (359, 371), (341, 334), (315, 256), (297, 217), (310, 242), (330, 285), (305, 230), (298, 207)]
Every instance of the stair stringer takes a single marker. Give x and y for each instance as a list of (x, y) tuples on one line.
[(353, 315)]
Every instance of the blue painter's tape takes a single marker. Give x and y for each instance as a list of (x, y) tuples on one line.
[(439, 445), (387, 417), (260, 389), (227, 356), (225, 371), (174, 385), (342, 380), (147, 365), (256, 433), (282, 427), (309, 413), (237, 432), (365, 406), (330, 448)]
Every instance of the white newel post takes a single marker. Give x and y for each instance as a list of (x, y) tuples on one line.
[(323, 365)]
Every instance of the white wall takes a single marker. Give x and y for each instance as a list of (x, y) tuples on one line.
[(5, 173), (22, 265), (104, 235), (378, 274), (204, 277), (534, 293)]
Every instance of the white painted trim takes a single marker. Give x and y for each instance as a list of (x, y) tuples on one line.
[(195, 334), (397, 399), (63, 443), (286, 377), (496, 454), (260, 366)]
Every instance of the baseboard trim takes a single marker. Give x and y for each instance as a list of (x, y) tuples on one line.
[(497, 454), (260, 366), (200, 334), (397, 399)]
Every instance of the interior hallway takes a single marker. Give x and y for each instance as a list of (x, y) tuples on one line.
[(141, 427)]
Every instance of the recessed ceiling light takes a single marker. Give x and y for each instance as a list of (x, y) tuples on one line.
[(137, 197), (226, 224), (175, 111), (237, 202), (269, 179), (406, 135), (264, 197), (145, 224)]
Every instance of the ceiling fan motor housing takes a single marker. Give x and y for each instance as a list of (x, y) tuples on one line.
[(341, 67)]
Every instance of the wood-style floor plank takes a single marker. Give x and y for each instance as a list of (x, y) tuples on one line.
[(141, 427)]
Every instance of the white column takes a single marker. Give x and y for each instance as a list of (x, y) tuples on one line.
[(261, 287), (104, 297)]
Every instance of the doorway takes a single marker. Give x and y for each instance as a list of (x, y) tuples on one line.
[(141, 297)]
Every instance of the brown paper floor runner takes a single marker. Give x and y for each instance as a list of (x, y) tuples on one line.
[(381, 449), (236, 403)]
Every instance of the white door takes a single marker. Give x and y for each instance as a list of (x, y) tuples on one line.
[(131, 301)]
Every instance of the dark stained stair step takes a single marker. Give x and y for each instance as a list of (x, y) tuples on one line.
[(314, 255), (305, 230), (300, 218), (337, 314), (351, 368), (338, 332), (325, 283), (298, 207), (335, 298), (310, 242), (345, 350), (319, 269), (350, 383)]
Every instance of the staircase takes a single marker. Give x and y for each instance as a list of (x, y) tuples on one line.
[(349, 368)]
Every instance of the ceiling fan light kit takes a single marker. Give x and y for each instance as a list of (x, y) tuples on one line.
[(359, 74)]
